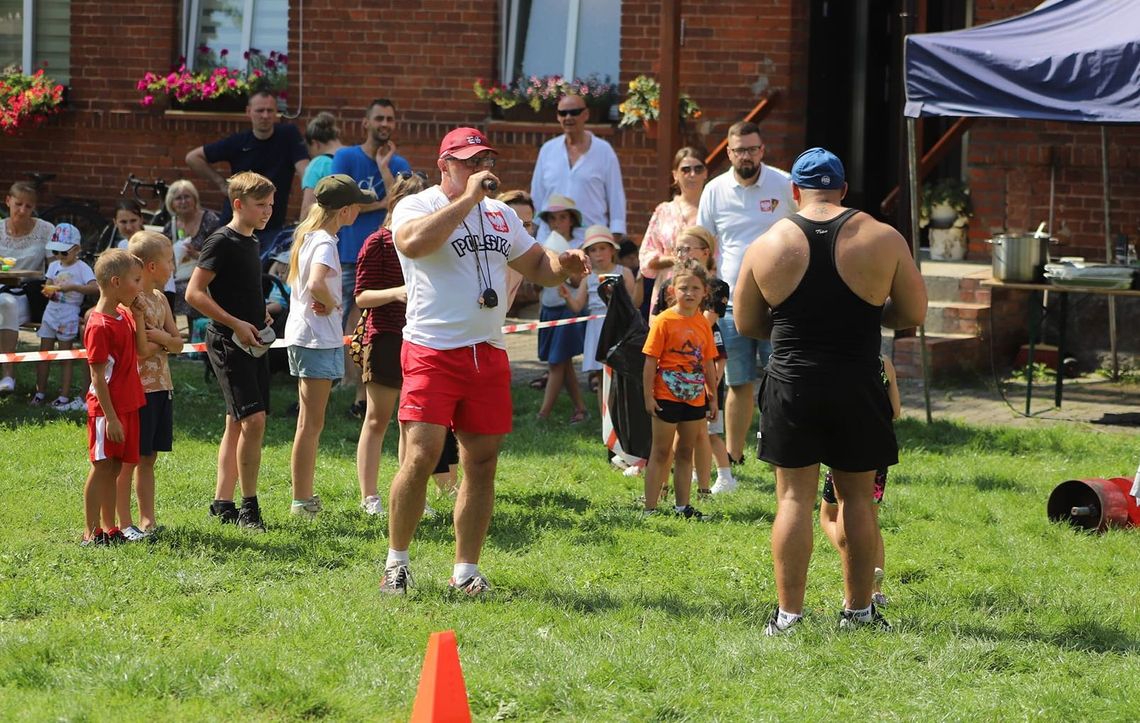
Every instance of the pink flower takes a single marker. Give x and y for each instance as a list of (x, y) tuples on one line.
[(148, 100)]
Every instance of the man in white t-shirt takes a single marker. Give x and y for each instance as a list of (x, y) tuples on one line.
[(738, 206), (581, 166), (455, 243)]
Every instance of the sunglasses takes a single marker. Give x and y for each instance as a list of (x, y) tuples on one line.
[(473, 163), (574, 112), (60, 253), (692, 170), (408, 174)]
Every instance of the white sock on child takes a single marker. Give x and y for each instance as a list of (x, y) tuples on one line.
[(784, 619), (464, 570), (396, 557)]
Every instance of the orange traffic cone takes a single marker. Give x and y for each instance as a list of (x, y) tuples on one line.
[(442, 695)]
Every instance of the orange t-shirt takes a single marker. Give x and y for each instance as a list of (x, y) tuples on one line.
[(681, 345)]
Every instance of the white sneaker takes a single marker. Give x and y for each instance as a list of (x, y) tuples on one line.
[(7, 385), (61, 404), (618, 462), (372, 505), (723, 485), (77, 404), (307, 509), (633, 471), (134, 534)]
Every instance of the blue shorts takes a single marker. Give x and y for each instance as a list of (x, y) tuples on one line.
[(347, 292), (745, 354), (305, 363), (156, 423)]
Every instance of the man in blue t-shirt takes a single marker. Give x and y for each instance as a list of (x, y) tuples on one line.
[(275, 150)]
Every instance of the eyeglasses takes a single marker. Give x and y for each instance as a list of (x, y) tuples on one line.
[(692, 170), (745, 150), (405, 175), (60, 253), (575, 112), (686, 248), (473, 163)]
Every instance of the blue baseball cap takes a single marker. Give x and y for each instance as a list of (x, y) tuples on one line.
[(820, 169)]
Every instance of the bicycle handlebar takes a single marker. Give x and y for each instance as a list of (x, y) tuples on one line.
[(158, 187)]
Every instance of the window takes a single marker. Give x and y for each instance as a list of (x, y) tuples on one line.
[(34, 32), (571, 38), (235, 27)]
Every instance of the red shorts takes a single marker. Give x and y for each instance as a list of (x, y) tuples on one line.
[(100, 446), (467, 388)]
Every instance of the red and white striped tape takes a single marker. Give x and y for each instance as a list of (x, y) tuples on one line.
[(31, 356)]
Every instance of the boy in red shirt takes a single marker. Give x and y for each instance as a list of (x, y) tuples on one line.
[(113, 338)]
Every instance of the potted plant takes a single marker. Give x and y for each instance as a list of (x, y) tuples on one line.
[(642, 105), (213, 85), (945, 212), (536, 97), (27, 100)]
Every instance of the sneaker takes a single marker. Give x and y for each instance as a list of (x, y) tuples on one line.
[(372, 505), (633, 470), (37, 399), (618, 462), (61, 404), (307, 509), (358, 409), (690, 513), (473, 586), (134, 534), (880, 600), (77, 404), (115, 536), (723, 485), (703, 494), (735, 462), (397, 579), (7, 386), (249, 518), (98, 539), (772, 629), (225, 511), (848, 621), (879, 575)]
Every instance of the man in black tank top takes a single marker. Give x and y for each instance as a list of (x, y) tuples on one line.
[(820, 284)]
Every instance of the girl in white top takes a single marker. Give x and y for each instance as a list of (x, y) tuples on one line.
[(313, 331), (23, 243)]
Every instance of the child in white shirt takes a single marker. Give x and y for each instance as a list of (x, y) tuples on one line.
[(68, 281)]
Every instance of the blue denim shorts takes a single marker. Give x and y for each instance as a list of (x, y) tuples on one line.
[(744, 353), (306, 363)]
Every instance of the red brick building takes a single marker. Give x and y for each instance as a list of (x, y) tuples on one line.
[(831, 66)]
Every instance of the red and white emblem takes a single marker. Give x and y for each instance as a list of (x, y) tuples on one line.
[(497, 220), (768, 205)]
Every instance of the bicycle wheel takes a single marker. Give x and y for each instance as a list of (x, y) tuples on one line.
[(93, 228)]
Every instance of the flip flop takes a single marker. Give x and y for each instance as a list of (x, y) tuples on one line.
[(580, 415), (538, 382)]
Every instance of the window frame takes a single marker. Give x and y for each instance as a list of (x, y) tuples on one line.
[(509, 46), (191, 16), (27, 58)]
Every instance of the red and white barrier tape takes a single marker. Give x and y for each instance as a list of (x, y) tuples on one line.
[(29, 356)]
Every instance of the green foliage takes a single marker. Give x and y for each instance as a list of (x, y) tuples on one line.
[(598, 614), (952, 192)]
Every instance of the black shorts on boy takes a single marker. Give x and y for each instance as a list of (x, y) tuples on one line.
[(243, 379), (675, 412), (156, 423)]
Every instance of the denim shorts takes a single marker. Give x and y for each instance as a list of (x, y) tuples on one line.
[(745, 354), (306, 363), (347, 292)]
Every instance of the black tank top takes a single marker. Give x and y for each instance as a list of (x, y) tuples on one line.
[(823, 330)]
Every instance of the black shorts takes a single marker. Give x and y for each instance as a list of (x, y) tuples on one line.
[(244, 379), (844, 423), (382, 360), (677, 412), (449, 455), (156, 423)]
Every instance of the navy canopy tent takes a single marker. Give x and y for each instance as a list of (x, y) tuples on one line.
[(1067, 60)]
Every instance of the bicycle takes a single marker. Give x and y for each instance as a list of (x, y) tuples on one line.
[(94, 230), (157, 188)]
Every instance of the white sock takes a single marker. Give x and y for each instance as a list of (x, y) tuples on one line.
[(678, 508), (396, 557), (724, 473), (863, 616), (463, 570), (785, 619)]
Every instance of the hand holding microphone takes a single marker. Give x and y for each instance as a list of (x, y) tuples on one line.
[(490, 185)]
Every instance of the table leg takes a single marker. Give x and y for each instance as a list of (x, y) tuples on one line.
[(1112, 338), (1064, 302), (1035, 312)]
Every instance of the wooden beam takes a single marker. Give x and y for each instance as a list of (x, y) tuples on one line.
[(931, 159), (668, 123)]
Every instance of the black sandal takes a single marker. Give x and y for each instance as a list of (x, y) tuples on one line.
[(539, 382)]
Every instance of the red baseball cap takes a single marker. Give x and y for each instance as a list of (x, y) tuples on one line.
[(462, 143)]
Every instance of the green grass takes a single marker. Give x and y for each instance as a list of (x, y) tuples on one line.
[(597, 613)]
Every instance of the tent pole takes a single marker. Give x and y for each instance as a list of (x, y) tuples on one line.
[(1108, 252), (912, 180)]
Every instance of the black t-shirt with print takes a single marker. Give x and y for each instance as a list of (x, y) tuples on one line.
[(236, 286)]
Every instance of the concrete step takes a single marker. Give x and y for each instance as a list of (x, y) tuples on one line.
[(949, 355), (957, 317)]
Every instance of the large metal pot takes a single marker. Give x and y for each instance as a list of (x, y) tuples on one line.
[(1019, 257)]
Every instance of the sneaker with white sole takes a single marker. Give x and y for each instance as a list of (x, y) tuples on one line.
[(307, 509), (848, 621), (61, 404), (78, 404), (373, 505), (473, 586), (7, 386), (134, 534), (38, 399), (723, 485), (772, 629), (396, 580)]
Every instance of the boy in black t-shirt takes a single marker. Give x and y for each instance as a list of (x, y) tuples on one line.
[(226, 288)]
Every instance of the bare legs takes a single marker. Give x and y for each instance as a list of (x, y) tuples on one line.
[(239, 456), (561, 375), (738, 408), (99, 495), (314, 398), (381, 403), (143, 475), (829, 523), (661, 458)]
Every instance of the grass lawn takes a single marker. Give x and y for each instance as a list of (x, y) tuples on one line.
[(597, 614)]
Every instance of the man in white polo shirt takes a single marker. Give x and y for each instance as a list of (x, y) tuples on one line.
[(738, 206), (455, 243)]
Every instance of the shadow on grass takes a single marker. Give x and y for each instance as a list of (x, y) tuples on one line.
[(1078, 635), (330, 543)]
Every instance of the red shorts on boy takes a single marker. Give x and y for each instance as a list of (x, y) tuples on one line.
[(468, 388), (100, 446)]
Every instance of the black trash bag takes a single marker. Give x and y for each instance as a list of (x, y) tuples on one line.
[(619, 347)]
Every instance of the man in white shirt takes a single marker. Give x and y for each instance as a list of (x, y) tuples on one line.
[(583, 167), (738, 206), (455, 243)]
